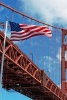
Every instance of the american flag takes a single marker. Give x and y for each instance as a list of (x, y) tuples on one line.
[(24, 31)]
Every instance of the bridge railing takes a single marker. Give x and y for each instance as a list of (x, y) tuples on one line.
[(52, 87), (19, 58)]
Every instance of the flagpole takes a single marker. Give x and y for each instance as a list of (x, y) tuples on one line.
[(2, 63)]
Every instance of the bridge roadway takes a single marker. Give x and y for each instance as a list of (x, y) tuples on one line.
[(23, 76)]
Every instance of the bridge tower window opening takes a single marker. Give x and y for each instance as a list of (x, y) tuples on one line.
[(66, 64), (65, 55), (65, 39), (66, 75)]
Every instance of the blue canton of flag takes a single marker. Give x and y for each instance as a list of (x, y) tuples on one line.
[(15, 27)]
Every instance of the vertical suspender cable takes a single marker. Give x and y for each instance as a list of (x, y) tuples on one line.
[(12, 15), (48, 59), (23, 19), (30, 47), (38, 51), (42, 52)]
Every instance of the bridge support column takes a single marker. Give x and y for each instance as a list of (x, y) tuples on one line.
[(43, 78), (64, 63)]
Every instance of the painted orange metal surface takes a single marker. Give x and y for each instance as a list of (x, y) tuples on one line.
[(64, 63), (22, 75)]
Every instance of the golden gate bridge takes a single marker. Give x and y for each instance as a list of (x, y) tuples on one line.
[(23, 76)]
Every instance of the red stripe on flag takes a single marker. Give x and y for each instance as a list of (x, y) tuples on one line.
[(30, 31)]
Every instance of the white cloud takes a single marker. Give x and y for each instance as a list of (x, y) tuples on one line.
[(59, 85), (49, 63), (8, 34), (59, 55), (50, 11)]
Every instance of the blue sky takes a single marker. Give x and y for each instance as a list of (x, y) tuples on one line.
[(46, 51)]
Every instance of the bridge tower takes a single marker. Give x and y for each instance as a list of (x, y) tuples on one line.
[(64, 62)]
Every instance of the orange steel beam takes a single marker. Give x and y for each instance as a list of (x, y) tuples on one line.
[(15, 55), (22, 75), (64, 63)]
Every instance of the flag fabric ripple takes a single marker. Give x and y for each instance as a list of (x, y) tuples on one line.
[(24, 31)]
